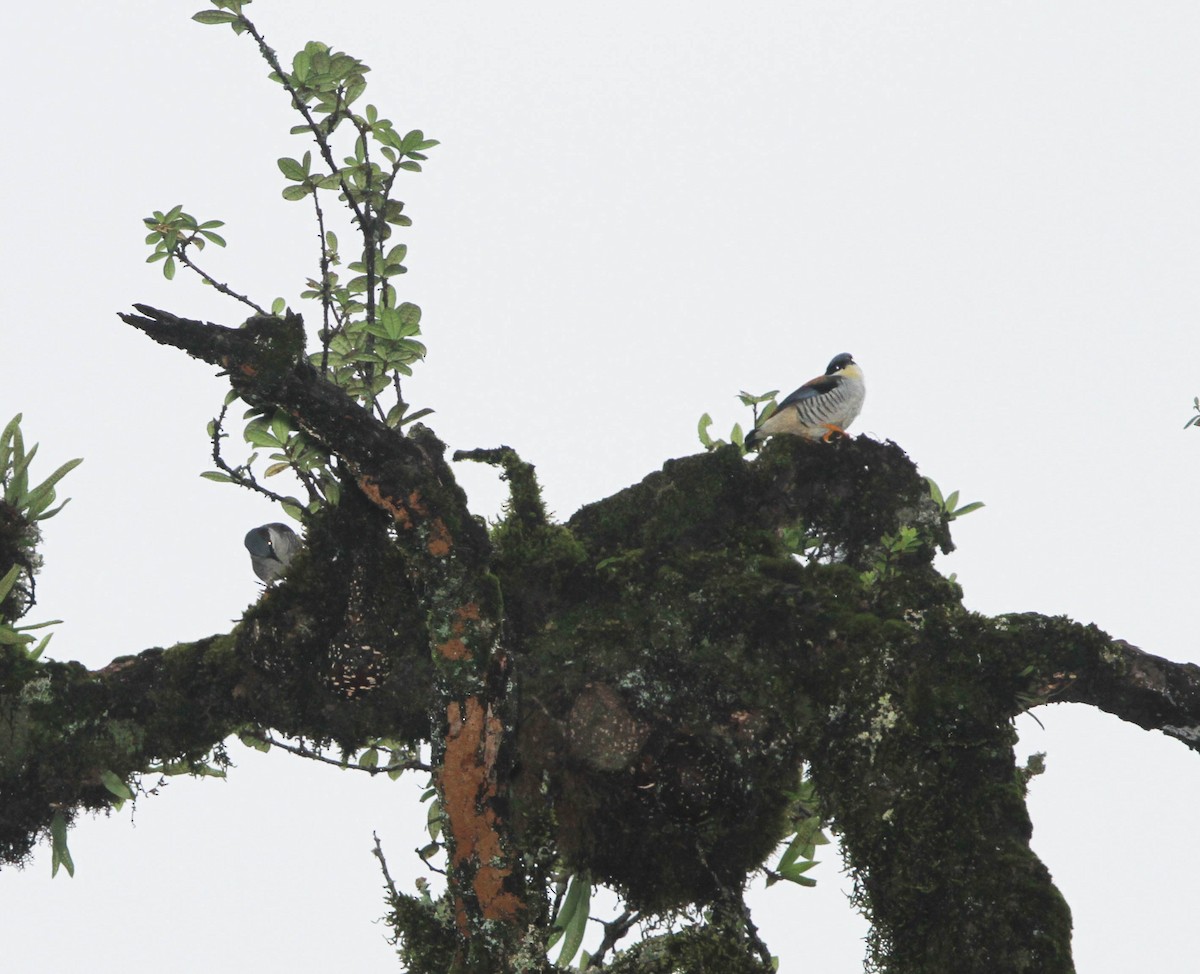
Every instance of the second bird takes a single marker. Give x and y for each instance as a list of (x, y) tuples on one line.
[(271, 547), (819, 408)]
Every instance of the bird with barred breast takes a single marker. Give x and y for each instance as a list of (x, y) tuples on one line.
[(820, 408)]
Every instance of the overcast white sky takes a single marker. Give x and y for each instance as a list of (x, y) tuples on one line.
[(637, 210)]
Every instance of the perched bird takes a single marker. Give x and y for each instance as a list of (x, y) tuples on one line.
[(271, 547), (819, 408)]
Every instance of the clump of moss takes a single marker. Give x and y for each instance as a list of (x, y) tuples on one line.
[(348, 591)]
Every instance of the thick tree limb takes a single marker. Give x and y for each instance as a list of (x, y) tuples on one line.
[(407, 478), (677, 666), (1075, 663)]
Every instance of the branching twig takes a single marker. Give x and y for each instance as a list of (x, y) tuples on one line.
[(314, 126), (756, 941), (326, 297), (242, 476), (387, 877), (180, 254), (614, 931)]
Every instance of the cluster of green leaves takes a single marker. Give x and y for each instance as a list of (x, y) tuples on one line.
[(949, 505), (25, 506), (1195, 420), (120, 789), (369, 337), (892, 548), (384, 755), (799, 540), (570, 921), (800, 854), (292, 450), (227, 12), (736, 435), (171, 234), (19, 636)]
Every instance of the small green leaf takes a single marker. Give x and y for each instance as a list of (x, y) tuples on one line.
[(214, 17), (116, 785), (251, 739), (935, 492), (413, 417), (291, 168), (8, 581), (281, 425), (433, 819), (37, 650), (257, 434), (60, 855), (46, 487)]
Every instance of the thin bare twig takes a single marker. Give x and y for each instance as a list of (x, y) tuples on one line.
[(180, 254), (614, 931), (387, 877), (301, 751)]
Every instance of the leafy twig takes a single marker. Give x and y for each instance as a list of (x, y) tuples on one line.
[(243, 476)]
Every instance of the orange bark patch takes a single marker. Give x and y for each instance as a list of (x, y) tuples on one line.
[(454, 648), (440, 542), (377, 497), (468, 786)]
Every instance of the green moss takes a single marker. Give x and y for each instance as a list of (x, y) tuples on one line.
[(424, 932), (709, 948)]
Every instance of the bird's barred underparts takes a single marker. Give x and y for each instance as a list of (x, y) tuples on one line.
[(821, 407)]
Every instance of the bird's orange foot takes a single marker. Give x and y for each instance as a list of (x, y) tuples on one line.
[(830, 431)]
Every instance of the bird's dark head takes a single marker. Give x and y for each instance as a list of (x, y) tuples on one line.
[(839, 363)]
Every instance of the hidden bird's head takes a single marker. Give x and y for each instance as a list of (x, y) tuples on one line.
[(272, 547)]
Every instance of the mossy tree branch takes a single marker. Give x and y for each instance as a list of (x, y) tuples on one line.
[(447, 552), (676, 665)]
